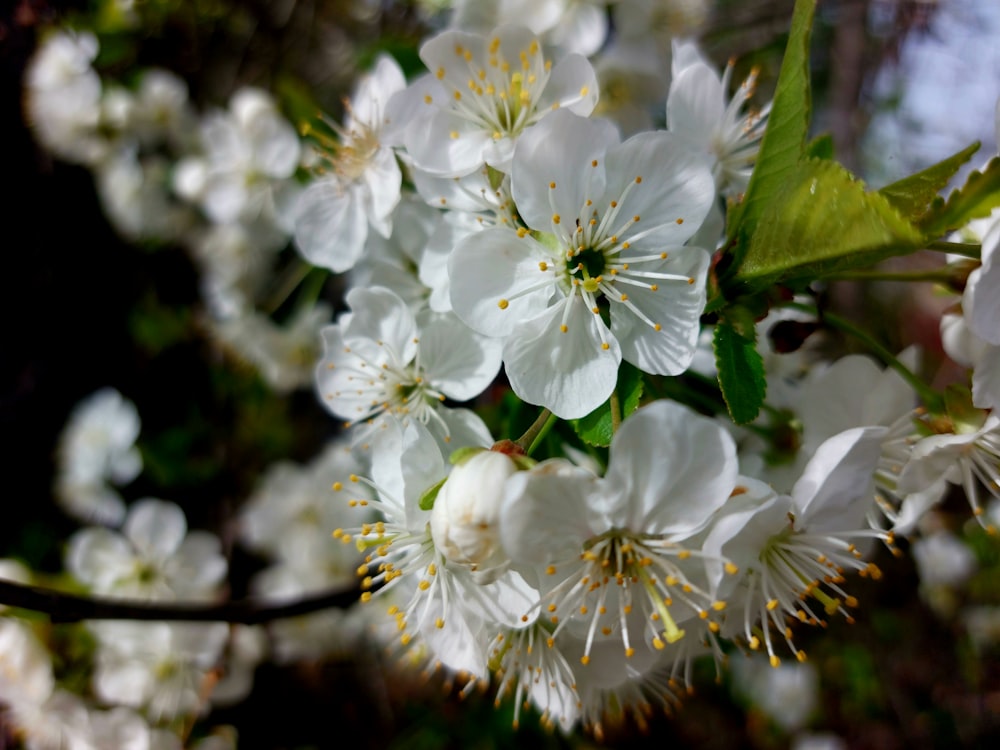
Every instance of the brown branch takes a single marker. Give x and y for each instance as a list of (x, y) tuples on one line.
[(63, 607)]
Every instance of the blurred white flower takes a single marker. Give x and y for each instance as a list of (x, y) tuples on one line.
[(153, 558), (97, 448)]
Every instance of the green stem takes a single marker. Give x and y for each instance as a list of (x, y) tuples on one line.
[(931, 398), (939, 276), (534, 434), (965, 249), (286, 285), (616, 412)]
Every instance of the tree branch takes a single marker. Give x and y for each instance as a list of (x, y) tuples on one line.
[(63, 607)]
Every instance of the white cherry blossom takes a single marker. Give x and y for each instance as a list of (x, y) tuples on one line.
[(611, 551), (379, 365), (612, 279), (489, 90), (358, 180)]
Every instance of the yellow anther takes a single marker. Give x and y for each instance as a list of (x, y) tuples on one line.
[(503, 304)]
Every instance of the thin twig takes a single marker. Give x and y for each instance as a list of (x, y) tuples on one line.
[(64, 607)]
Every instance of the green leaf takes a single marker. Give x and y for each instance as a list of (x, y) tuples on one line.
[(820, 147), (912, 195), (974, 200), (741, 373), (823, 221), (787, 127), (596, 428)]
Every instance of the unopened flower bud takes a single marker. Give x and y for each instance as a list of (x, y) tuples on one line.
[(464, 522)]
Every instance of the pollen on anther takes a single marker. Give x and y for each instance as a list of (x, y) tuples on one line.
[(428, 99), (337, 486), (593, 163), (638, 180), (454, 133), (556, 218), (584, 91), (543, 266), (552, 186), (605, 345), (502, 304), (563, 328)]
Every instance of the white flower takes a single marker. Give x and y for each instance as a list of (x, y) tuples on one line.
[(579, 26), (699, 113), (442, 601), (942, 559), (249, 151), (967, 455), (609, 547), (490, 90), (63, 97), (97, 447), (159, 667), (788, 695), (618, 214), (153, 558), (378, 365), (793, 549), (359, 180)]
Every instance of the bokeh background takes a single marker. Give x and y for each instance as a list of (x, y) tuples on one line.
[(898, 83)]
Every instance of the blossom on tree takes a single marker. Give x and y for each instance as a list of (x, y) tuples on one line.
[(611, 279)]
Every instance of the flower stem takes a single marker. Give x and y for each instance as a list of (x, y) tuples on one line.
[(616, 411), (537, 432), (931, 398), (939, 275), (965, 249)]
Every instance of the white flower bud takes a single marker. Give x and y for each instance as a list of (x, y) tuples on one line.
[(464, 522)]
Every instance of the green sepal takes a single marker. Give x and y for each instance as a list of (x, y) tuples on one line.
[(426, 501), (912, 196), (597, 428), (460, 455), (523, 463), (495, 177), (740, 369), (547, 239), (965, 418), (976, 199), (822, 222)]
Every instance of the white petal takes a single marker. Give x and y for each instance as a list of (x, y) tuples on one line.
[(674, 195), (496, 265), (676, 307), (567, 371), (986, 379), (572, 86), (447, 145), (836, 488), (456, 360), (155, 527), (549, 512), (379, 315), (330, 226), (384, 179), (981, 300), (559, 151), (676, 468), (696, 104)]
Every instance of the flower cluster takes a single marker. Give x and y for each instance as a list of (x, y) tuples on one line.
[(509, 228)]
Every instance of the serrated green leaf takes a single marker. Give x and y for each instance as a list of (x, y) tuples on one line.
[(912, 195), (787, 128), (974, 200), (741, 373), (823, 221), (820, 147), (596, 428)]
